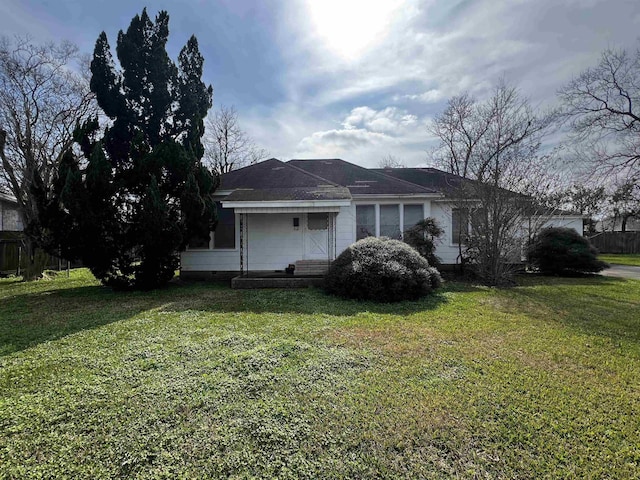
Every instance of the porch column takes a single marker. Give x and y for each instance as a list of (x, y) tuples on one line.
[(241, 244), (244, 244)]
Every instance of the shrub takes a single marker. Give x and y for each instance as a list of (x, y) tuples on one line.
[(562, 251), (422, 236), (382, 270)]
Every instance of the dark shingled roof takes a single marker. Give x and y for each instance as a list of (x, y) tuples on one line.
[(449, 183), (270, 174), (359, 180), (438, 180), (297, 193)]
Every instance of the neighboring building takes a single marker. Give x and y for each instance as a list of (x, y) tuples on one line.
[(614, 224), (273, 214), (10, 218)]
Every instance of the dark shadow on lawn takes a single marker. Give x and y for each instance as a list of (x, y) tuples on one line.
[(531, 279), (593, 313), (32, 318)]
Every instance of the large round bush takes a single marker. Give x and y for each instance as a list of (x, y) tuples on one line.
[(382, 270), (562, 251)]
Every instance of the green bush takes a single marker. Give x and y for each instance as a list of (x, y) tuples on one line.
[(422, 236), (382, 270), (562, 251)]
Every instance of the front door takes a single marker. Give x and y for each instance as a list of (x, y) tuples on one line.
[(316, 237)]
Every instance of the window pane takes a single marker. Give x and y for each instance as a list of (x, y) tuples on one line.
[(199, 243), (225, 233), (317, 221), (412, 215), (459, 225), (365, 221), (390, 221)]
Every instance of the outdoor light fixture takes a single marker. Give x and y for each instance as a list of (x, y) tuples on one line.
[(296, 223)]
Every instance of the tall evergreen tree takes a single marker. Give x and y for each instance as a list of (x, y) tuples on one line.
[(129, 203)]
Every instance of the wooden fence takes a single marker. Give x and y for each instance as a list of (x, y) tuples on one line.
[(12, 258), (616, 242)]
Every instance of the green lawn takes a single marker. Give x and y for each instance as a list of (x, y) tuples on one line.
[(632, 259), (199, 381)]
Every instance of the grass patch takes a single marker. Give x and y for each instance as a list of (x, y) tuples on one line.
[(197, 380), (631, 259)]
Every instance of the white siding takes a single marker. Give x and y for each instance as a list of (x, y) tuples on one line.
[(568, 222), (448, 252), (273, 243), (345, 228), (445, 249), (10, 218)]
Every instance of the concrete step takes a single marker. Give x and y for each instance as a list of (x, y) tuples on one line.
[(311, 267)]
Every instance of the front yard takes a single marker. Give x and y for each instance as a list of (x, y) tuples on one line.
[(631, 259), (200, 381)]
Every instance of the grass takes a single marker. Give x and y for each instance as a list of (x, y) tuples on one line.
[(199, 381), (632, 259)]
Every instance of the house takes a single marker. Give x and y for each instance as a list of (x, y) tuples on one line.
[(614, 224), (11, 227), (306, 212), (10, 218)]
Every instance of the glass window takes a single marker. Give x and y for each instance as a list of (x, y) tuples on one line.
[(365, 221), (412, 215), (225, 233), (199, 243), (390, 221), (317, 221), (459, 225)]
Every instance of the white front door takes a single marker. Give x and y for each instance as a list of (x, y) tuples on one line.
[(316, 237)]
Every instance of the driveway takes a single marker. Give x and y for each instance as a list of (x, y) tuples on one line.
[(622, 271)]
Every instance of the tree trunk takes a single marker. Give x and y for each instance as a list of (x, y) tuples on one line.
[(624, 222), (36, 261)]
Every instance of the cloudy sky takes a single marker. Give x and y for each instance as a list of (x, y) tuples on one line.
[(356, 79)]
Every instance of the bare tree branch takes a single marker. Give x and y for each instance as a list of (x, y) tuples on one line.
[(493, 146), (601, 106), (390, 161), (42, 97), (227, 146)]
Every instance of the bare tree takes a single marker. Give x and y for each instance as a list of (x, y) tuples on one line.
[(586, 200), (625, 203), (391, 161), (227, 146), (41, 99), (493, 146), (602, 105)]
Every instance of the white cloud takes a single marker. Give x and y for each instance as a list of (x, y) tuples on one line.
[(338, 142), (389, 120), (435, 49), (430, 96), (367, 135)]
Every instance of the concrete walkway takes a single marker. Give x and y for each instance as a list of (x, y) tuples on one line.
[(622, 271)]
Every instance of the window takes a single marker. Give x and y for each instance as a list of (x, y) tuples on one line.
[(224, 235), (459, 225), (199, 243), (317, 221), (412, 215), (390, 221), (365, 221)]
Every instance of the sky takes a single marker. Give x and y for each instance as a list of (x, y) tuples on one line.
[(356, 79)]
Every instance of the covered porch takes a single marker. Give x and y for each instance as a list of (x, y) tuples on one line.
[(285, 241)]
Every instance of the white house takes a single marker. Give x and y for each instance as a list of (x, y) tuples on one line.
[(306, 212), (10, 218)]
